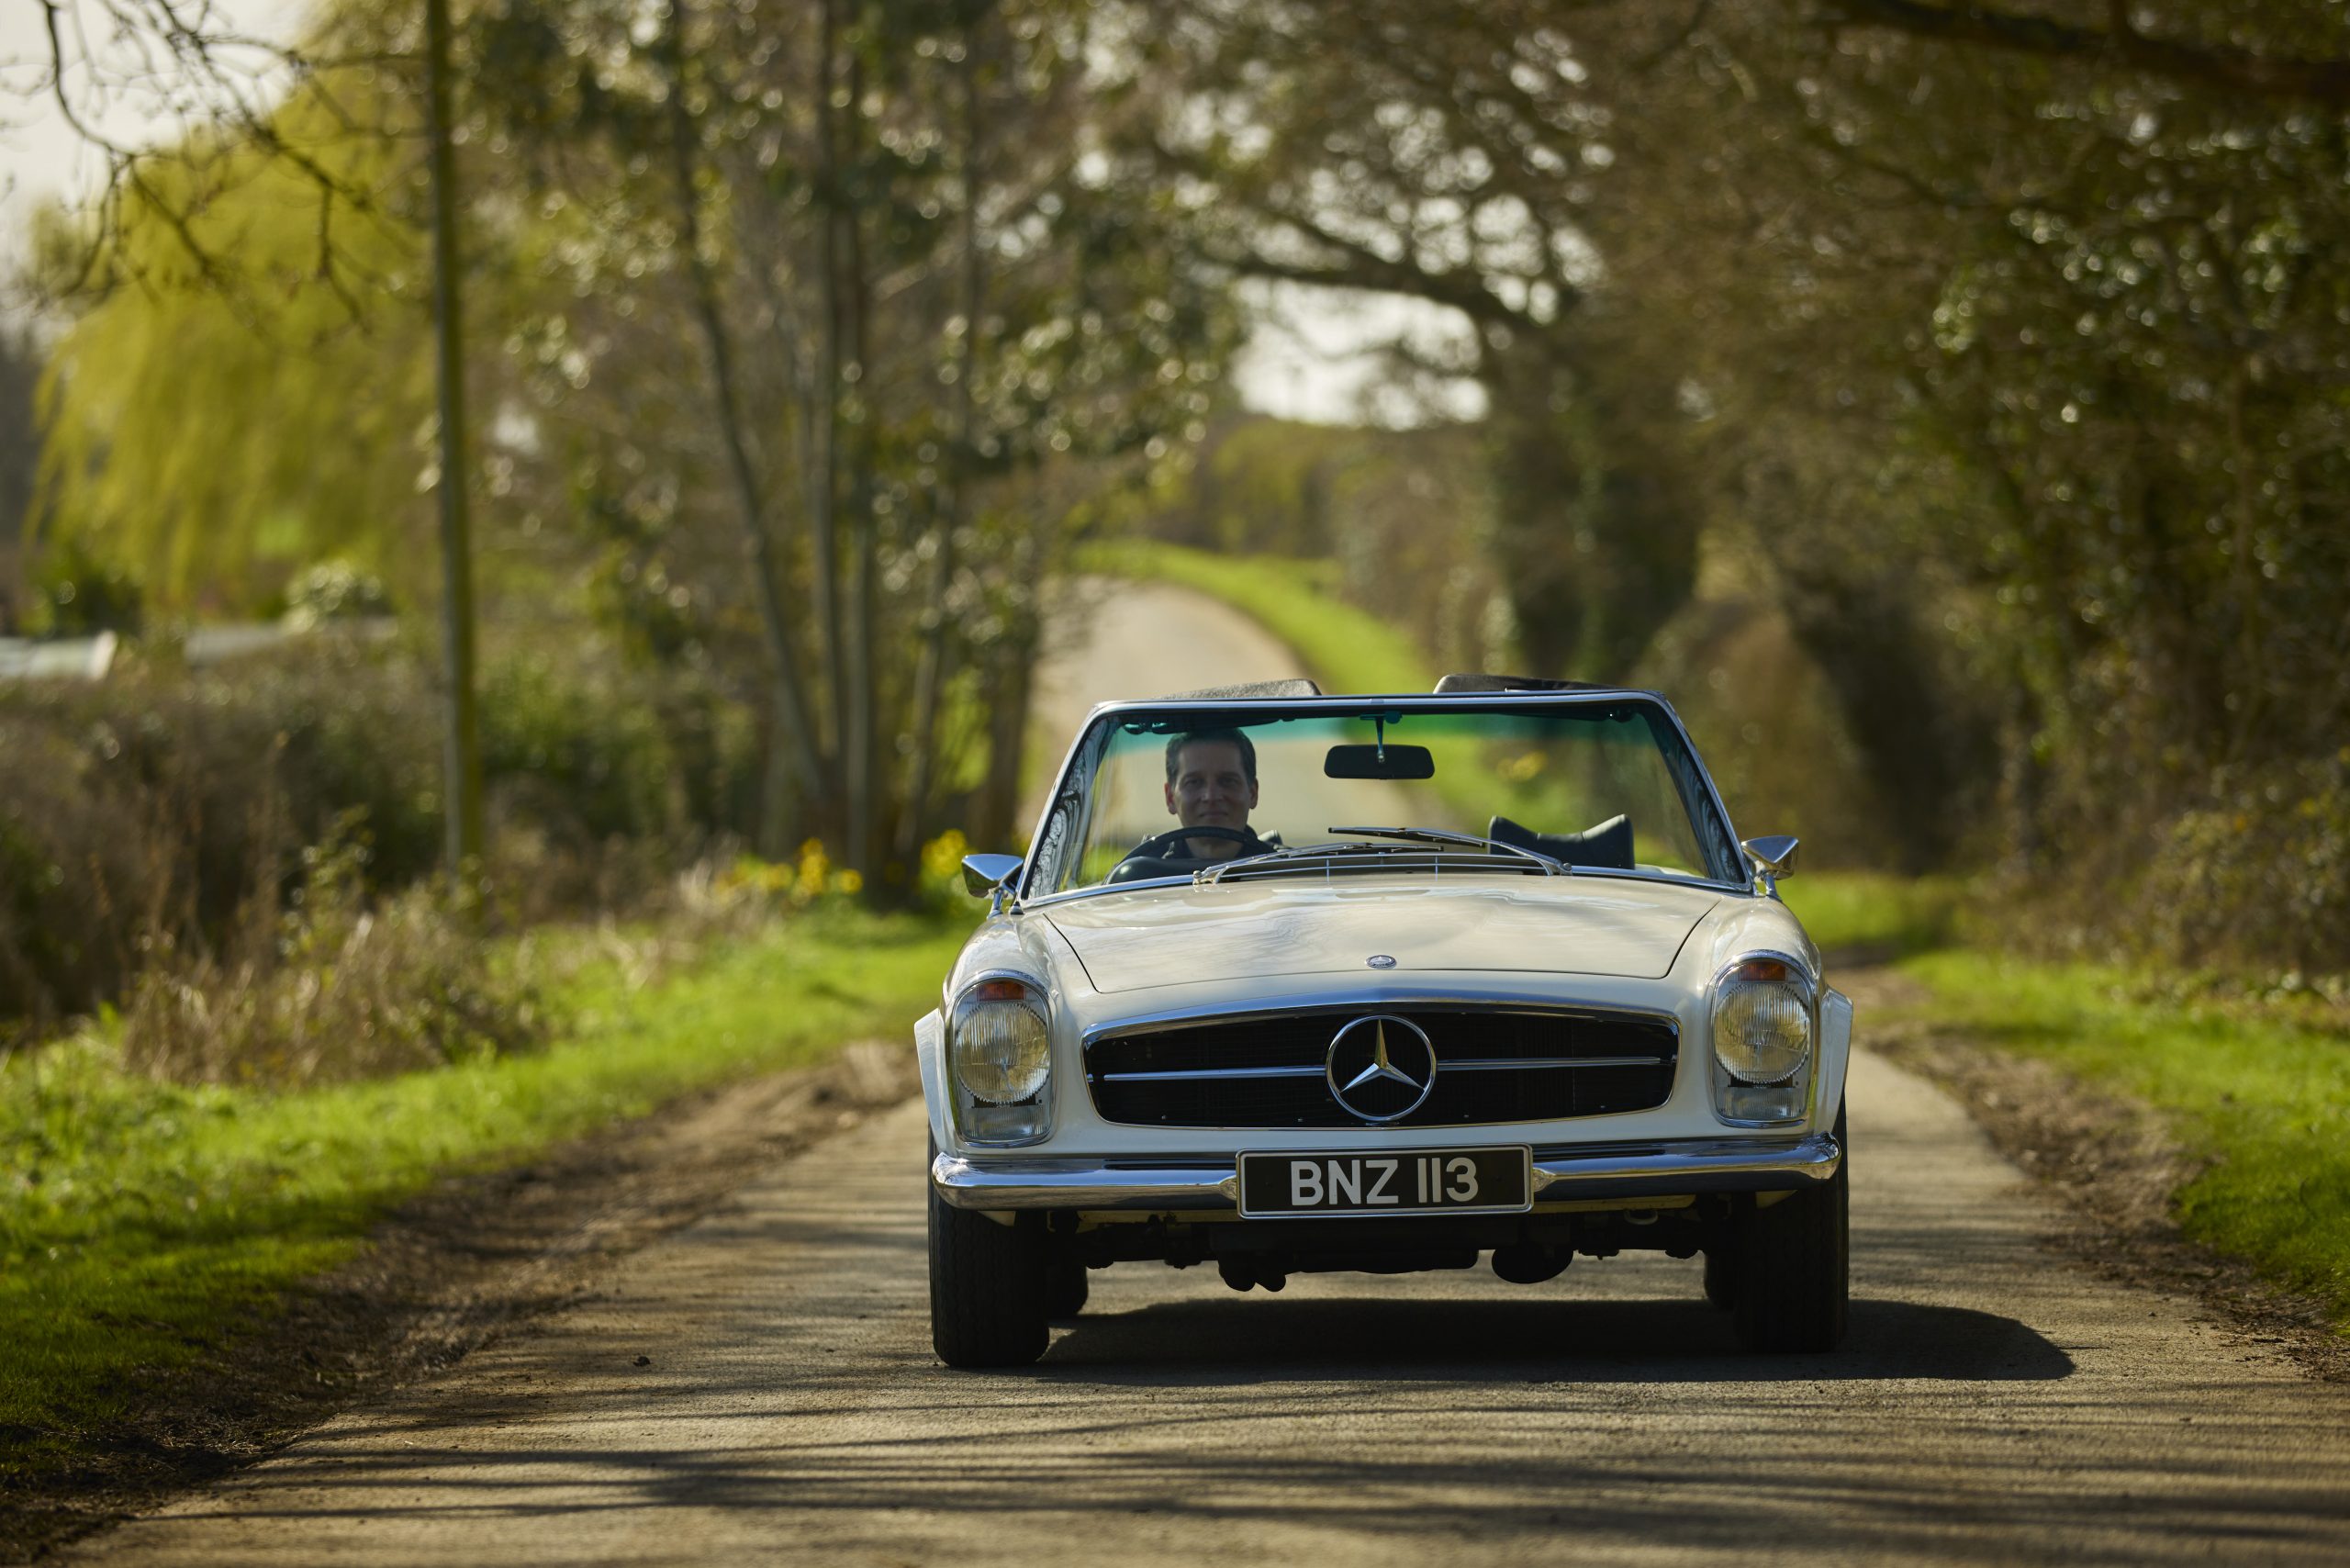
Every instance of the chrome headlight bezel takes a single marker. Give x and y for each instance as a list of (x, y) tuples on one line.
[(997, 1054), (1751, 1089)]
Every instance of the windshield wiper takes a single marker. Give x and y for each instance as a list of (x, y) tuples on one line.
[(1286, 852), (1415, 835), (1435, 836)]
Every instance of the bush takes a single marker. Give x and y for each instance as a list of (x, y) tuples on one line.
[(77, 594), (329, 989), (333, 591), (2259, 878), (151, 816)]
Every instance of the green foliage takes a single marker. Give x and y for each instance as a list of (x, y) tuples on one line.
[(1870, 916), (2257, 881), (143, 1223), (333, 591), (78, 593)]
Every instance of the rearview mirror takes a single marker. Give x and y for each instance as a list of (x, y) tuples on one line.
[(1379, 762), (1774, 856)]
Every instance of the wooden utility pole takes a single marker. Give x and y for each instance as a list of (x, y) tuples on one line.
[(462, 744)]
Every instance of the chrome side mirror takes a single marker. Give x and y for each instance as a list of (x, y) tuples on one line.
[(990, 876), (1773, 858)]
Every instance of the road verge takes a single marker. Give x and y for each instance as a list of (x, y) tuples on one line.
[(190, 1276)]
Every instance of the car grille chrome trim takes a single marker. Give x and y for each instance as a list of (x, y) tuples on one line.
[(1177, 1186), (1532, 1064), (1178, 1075), (1516, 1062)]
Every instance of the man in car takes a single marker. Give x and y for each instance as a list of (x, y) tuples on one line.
[(1212, 782)]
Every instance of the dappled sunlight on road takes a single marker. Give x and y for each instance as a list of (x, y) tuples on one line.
[(1993, 1404)]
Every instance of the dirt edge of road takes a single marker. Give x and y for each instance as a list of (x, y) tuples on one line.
[(446, 1273), (2111, 1166)]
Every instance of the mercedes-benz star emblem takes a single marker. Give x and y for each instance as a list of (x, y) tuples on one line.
[(1381, 1068)]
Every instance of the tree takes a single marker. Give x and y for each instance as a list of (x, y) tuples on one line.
[(1450, 152), (904, 328), (19, 458), (257, 116)]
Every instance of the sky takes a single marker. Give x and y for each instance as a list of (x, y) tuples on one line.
[(40, 157), (1310, 359)]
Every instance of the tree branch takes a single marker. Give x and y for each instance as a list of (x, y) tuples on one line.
[(2223, 68)]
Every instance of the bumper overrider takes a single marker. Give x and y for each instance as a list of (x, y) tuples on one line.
[(1574, 1172)]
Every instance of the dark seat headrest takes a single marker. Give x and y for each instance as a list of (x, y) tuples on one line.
[(1608, 845)]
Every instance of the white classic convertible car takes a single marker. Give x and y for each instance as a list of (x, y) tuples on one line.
[(1294, 982)]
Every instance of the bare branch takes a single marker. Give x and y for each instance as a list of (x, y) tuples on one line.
[(2240, 72)]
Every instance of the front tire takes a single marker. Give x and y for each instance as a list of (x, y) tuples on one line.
[(989, 1289), (1066, 1287), (1721, 1278), (1791, 1283)]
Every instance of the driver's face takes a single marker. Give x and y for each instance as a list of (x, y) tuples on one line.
[(1210, 787)]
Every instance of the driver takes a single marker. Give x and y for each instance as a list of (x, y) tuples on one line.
[(1212, 782)]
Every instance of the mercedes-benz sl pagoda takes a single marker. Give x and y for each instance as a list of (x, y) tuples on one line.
[(1292, 982)]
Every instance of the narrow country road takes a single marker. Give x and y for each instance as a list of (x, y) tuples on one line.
[(1993, 1404), (759, 1387), (1112, 641)]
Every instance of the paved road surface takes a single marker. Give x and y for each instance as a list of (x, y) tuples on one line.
[(1995, 1403), (1116, 641), (1120, 640)]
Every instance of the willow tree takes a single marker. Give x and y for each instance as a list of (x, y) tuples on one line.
[(219, 431), (259, 135)]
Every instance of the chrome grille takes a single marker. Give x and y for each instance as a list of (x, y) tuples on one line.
[(1492, 1064)]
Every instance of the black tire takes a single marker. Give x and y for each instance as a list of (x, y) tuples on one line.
[(988, 1289), (1791, 1281), (1721, 1278), (1066, 1288)]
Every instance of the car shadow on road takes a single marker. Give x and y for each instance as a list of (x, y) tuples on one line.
[(1635, 1341)]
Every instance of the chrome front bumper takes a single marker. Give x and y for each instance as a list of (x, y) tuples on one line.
[(1573, 1173)]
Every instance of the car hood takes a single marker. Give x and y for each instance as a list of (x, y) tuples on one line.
[(1259, 930)]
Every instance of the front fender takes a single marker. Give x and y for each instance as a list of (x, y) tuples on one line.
[(1835, 1053), (930, 1047)]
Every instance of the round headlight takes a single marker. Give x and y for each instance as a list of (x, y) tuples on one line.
[(1763, 1020), (998, 1041)]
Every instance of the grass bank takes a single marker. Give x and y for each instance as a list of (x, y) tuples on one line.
[(2260, 1100), (144, 1222), (2257, 1092)]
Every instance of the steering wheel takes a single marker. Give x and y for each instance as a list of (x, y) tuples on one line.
[(1150, 858), (1164, 845)]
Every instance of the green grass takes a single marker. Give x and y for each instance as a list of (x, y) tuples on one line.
[(2263, 1102), (145, 1222), (2259, 1097), (1344, 649), (1872, 914)]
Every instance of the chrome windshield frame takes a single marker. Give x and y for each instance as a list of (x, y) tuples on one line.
[(1361, 706)]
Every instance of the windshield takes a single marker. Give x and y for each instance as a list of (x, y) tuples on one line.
[(1606, 788)]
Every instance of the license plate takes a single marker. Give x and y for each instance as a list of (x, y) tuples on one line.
[(1397, 1181)]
